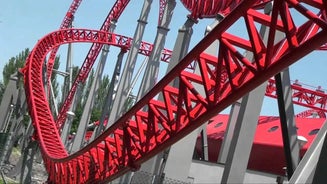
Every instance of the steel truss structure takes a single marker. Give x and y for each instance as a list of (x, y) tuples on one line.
[(153, 124)]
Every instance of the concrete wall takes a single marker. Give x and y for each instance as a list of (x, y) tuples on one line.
[(206, 172)]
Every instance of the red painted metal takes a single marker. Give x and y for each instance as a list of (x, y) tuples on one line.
[(314, 99), (93, 53), (138, 135), (210, 9), (125, 43), (311, 113), (66, 23), (144, 49)]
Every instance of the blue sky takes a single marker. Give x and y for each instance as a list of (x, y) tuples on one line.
[(23, 22)]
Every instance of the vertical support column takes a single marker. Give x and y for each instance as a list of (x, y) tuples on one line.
[(26, 170), (68, 124), (177, 166), (223, 153), (15, 95), (52, 99), (79, 137), (242, 140), (126, 77), (68, 79), (320, 172), (6, 103), (68, 85), (21, 164), (204, 142), (152, 68), (182, 151), (17, 121), (111, 93), (234, 112), (182, 43), (7, 138), (305, 172), (240, 133), (287, 120), (71, 115), (156, 165), (212, 50)]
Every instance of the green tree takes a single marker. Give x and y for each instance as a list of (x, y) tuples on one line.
[(129, 102), (102, 92), (14, 64), (2, 90), (98, 101), (87, 87)]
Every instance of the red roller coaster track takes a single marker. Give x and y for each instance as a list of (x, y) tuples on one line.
[(66, 23), (314, 99), (94, 51), (138, 135)]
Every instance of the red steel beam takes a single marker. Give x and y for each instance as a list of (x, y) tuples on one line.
[(138, 135), (66, 23), (210, 9), (314, 99), (223, 7), (93, 53), (311, 112)]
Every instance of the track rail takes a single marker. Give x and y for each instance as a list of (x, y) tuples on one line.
[(314, 99), (138, 135), (311, 112), (210, 9), (91, 56), (66, 23)]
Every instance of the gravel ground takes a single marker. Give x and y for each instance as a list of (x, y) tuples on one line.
[(39, 174)]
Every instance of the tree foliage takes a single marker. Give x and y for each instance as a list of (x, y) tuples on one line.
[(98, 100), (102, 92), (11, 67), (14, 64), (2, 90)]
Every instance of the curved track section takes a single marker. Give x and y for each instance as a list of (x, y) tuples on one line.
[(91, 56), (66, 23), (210, 9), (138, 135)]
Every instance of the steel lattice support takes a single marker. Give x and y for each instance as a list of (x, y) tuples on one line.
[(287, 119), (9, 101), (66, 23), (110, 95), (86, 116), (152, 68), (314, 99), (126, 78), (138, 135), (95, 49)]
